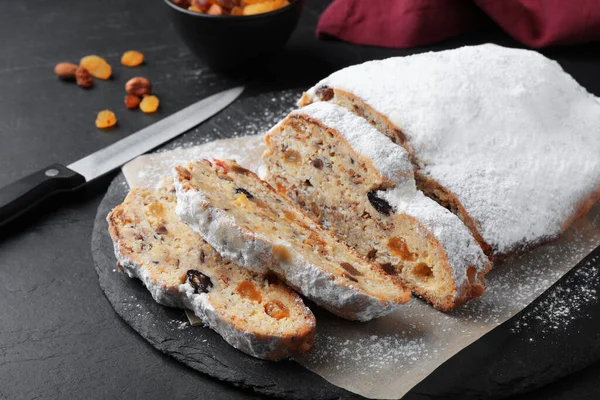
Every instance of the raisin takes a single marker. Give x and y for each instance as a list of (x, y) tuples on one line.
[(291, 156), (388, 268), (349, 277), (397, 246), (378, 204), (96, 66), (202, 257), (149, 104), (132, 58), (248, 290), (199, 281), (106, 119), (318, 164), (161, 230), (372, 254), (83, 78), (350, 268), (132, 101), (242, 190), (325, 93), (276, 309)]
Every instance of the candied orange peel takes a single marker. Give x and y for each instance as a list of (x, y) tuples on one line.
[(106, 119), (96, 66), (132, 58)]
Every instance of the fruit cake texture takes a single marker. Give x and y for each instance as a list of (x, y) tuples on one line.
[(502, 137), (359, 184), (246, 221), (257, 315)]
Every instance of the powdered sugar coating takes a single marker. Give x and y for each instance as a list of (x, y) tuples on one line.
[(255, 252), (392, 161), (199, 303), (507, 131)]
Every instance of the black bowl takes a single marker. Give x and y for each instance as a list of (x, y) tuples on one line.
[(230, 43)]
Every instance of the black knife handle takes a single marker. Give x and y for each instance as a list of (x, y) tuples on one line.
[(21, 195)]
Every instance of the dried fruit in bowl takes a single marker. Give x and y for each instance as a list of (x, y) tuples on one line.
[(265, 7)]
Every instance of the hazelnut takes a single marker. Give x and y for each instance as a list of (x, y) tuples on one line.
[(138, 86), (65, 70)]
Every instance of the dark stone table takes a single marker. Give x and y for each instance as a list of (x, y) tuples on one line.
[(59, 336)]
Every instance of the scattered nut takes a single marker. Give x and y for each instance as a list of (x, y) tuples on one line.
[(132, 101), (83, 78), (65, 71), (138, 86)]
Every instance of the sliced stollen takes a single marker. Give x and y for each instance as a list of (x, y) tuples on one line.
[(502, 137), (255, 314), (359, 184), (252, 225)]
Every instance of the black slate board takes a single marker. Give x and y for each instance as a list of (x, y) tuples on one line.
[(520, 355)]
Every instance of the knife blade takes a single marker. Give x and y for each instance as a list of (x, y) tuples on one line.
[(20, 196)]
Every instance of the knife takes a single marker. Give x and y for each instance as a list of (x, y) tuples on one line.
[(20, 196)]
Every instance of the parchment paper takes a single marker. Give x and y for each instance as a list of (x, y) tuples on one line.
[(386, 357)]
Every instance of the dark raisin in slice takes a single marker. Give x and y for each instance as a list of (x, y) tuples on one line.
[(161, 230), (372, 254), (318, 164), (378, 204), (199, 281), (202, 257), (325, 93), (350, 268), (388, 268), (242, 190)]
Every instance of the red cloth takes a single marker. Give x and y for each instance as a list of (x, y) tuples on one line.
[(409, 23)]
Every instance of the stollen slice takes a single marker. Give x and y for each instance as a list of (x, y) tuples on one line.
[(355, 181), (248, 222), (256, 314)]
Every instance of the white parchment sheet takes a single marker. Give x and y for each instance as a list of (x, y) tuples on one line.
[(386, 357)]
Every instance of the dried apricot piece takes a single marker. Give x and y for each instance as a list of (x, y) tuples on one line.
[(237, 11), (106, 119), (149, 104), (132, 58), (132, 101), (96, 66)]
